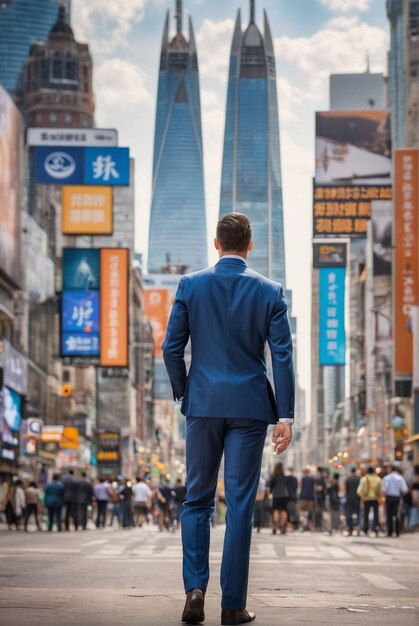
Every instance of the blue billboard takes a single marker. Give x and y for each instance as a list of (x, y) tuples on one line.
[(81, 268), (106, 166), (59, 166), (12, 416), (80, 344), (332, 340), (80, 311)]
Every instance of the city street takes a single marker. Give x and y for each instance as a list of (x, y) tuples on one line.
[(134, 577)]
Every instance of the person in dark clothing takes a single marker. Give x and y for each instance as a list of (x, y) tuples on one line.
[(180, 493), (54, 500), (307, 498), (280, 496), (32, 502), (292, 486), (334, 503), (84, 497), (164, 499), (70, 504), (319, 499), (353, 501), (126, 505)]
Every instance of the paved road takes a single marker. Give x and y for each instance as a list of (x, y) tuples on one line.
[(134, 577)]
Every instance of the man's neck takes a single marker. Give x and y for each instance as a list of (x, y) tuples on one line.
[(241, 254)]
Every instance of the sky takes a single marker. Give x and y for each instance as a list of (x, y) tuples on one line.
[(312, 38)]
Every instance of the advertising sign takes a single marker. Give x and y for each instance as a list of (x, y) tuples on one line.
[(108, 447), (329, 254), (345, 210), (11, 147), (80, 312), (406, 255), (71, 137), (11, 421), (114, 307), (382, 227), (59, 166), (86, 210), (81, 268), (106, 166), (15, 369), (70, 438), (332, 341), (159, 295), (353, 147)]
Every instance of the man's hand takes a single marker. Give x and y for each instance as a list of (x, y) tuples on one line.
[(281, 437)]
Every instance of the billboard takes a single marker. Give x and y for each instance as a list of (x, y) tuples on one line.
[(332, 340), (353, 147), (329, 254), (10, 423), (114, 307), (86, 210), (69, 165), (382, 228), (81, 268), (11, 144), (15, 369), (71, 137), (106, 166), (406, 255), (159, 295), (345, 210), (80, 312)]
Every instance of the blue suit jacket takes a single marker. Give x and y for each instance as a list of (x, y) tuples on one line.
[(229, 312)]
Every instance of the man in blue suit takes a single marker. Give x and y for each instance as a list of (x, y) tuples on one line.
[(229, 312)]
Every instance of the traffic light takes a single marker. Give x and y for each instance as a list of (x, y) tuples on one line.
[(66, 391)]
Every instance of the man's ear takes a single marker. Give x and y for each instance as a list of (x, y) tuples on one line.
[(217, 244), (250, 248)]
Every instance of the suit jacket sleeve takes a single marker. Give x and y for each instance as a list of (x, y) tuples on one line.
[(177, 336), (280, 343)]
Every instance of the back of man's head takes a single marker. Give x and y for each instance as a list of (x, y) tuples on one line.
[(370, 470), (234, 233)]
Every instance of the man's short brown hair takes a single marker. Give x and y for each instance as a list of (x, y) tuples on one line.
[(234, 232)]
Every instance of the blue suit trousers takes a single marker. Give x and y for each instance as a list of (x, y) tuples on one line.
[(242, 441)]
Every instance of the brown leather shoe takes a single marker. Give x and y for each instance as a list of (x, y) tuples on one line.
[(231, 617), (193, 613)]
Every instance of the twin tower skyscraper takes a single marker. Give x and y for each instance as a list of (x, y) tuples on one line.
[(251, 168)]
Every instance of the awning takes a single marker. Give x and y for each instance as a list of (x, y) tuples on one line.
[(412, 439)]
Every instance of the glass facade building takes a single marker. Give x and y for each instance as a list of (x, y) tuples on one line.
[(251, 174), (21, 23), (178, 234), (397, 84)]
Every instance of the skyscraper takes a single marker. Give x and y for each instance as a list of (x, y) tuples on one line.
[(397, 87), (251, 175), (177, 223), (22, 23)]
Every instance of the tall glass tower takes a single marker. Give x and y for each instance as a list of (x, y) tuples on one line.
[(178, 234), (251, 175), (21, 23)]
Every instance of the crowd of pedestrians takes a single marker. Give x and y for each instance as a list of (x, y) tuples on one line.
[(76, 502), (366, 500)]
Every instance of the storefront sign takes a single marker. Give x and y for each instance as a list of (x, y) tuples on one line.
[(114, 308), (332, 341), (15, 369), (86, 210), (72, 137)]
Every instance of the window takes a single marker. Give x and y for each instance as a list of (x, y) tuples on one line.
[(53, 117), (68, 118)]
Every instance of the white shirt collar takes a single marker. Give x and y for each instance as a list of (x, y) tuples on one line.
[(232, 256)]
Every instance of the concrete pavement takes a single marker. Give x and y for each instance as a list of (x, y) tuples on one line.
[(134, 577)]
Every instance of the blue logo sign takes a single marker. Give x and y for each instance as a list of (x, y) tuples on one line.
[(81, 268), (106, 166), (80, 311), (332, 340), (77, 344), (59, 166)]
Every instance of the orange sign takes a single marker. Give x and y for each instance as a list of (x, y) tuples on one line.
[(114, 307), (406, 256), (70, 438), (86, 210), (157, 305)]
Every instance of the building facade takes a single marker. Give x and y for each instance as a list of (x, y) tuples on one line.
[(21, 23), (251, 173), (178, 233), (397, 87)]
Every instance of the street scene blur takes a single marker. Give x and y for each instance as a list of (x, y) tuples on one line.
[(127, 129)]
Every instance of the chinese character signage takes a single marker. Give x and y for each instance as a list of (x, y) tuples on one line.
[(406, 256), (114, 307), (332, 342), (108, 445), (86, 210), (345, 210), (15, 369), (71, 137), (59, 165), (329, 254), (159, 296)]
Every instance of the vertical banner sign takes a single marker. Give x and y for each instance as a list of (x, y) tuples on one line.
[(157, 305), (406, 256), (114, 307), (332, 342)]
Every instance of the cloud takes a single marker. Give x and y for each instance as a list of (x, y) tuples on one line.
[(346, 5), (214, 42), (119, 83)]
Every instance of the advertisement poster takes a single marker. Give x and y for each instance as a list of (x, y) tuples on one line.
[(159, 295), (332, 340), (329, 254), (81, 268), (86, 210), (106, 166), (80, 311), (11, 418), (114, 307)]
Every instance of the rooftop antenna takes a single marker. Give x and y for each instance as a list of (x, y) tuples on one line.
[(178, 16), (252, 11)]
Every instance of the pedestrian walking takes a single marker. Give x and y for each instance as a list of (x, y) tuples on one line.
[(306, 504), (280, 496), (319, 499), (54, 500), (102, 494), (115, 500), (334, 503), (18, 503), (180, 493), (369, 491), (33, 495), (84, 498), (70, 501), (292, 507), (260, 505), (142, 496), (164, 500), (393, 487), (228, 312), (126, 504), (352, 500)]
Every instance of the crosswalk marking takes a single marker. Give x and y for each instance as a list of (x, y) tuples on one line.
[(382, 582)]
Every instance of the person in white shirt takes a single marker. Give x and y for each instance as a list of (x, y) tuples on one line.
[(393, 487), (142, 495)]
